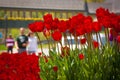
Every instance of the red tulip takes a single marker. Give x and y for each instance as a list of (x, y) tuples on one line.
[(55, 68), (62, 26), (32, 27), (96, 26), (88, 24), (80, 30), (47, 26), (56, 35), (55, 24), (46, 33), (83, 41), (48, 21), (80, 17), (113, 33), (95, 44), (39, 26), (48, 18), (106, 22), (118, 39), (81, 56), (101, 12)]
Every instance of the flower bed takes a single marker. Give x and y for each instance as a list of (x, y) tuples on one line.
[(19, 67)]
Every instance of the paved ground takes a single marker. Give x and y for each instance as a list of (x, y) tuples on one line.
[(45, 50)]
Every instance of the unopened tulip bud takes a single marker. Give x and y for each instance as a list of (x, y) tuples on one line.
[(46, 33)]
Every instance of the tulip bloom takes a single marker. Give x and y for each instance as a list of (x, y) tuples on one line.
[(46, 33), (81, 56), (95, 44), (118, 39), (56, 35), (83, 41), (55, 68)]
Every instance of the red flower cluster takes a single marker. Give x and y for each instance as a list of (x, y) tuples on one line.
[(77, 25), (107, 19), (19, 67)]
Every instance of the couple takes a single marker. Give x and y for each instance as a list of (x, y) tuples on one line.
[(26, 43)]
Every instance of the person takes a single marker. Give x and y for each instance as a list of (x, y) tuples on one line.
[(10, 43), (32, 43), (21, 41)]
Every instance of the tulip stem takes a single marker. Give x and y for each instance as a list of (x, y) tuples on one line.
[(66, 39), (107, 36), (39, 41), (76, 40), (100, 39), (48, 43), (89, 41), (53, 43), (107, 32), (81, 47), (71, 42), (97, 36), (60, 43), (58, 48)]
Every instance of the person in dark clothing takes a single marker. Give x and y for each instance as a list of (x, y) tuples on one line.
[(21, 41)]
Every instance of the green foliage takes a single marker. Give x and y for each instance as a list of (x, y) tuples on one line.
[(2, 47), (14, 32), (97, 65)]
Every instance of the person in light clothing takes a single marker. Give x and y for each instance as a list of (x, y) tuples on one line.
[(32, 43), (10, 44)]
